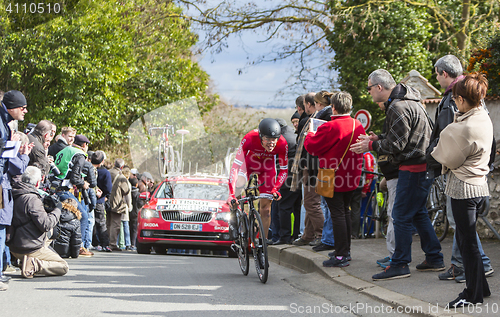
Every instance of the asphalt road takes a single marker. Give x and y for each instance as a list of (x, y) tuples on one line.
[(129, 284)]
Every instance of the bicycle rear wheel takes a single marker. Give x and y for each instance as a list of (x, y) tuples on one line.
[(368, 223), (259, 246), (439, 222), (436, 207), (242, 244)]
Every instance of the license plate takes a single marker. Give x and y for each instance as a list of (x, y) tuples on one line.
[(185, 226)]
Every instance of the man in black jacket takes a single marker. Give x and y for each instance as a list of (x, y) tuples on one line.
[(104, 186), (290, 201), (448, 72), (31, 224)]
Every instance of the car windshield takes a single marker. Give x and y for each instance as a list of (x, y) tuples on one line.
[(193, 190)]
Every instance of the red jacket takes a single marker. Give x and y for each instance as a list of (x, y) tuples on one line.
[(330, 142)]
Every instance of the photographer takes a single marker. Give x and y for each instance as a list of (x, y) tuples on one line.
[(33, 219)]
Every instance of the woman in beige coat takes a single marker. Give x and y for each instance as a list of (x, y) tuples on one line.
[(464, 151)]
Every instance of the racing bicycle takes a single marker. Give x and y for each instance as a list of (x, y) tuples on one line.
[(375, 220), (251, 237), (166, 154), (436, 206)]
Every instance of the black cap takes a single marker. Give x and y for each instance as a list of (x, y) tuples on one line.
[(296, 115), (14, 99), (80, 139)]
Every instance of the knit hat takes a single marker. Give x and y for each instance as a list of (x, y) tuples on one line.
[(14, 99), (296, 115), (97, 157)]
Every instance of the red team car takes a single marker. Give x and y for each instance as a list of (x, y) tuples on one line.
[(185, 212)]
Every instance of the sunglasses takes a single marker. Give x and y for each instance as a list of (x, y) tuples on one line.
[(370, 87)]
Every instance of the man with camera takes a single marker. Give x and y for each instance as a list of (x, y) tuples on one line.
[(33, 219)]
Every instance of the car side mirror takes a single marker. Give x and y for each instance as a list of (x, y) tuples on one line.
[(145, 195)]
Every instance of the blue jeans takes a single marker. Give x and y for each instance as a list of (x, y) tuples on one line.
[(409, 210), (126, 233), (87, 237), (327, 236), (456, 256), (84, 221), (3, 233), (302, 214)]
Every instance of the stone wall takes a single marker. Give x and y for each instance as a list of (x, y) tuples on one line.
[(494, 214)]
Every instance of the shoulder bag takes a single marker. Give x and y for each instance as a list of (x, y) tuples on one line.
[(325, 185)]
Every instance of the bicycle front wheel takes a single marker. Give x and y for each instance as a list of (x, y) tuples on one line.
[(259, 246), (242, 242)]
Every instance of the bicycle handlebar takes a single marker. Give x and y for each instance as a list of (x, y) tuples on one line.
[(245, 199), (166, 127), (373, 173)]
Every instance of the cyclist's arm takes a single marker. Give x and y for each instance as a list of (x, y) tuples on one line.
[(238, 161), (283, 163)]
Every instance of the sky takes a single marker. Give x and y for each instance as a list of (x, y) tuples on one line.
[(256, 85)]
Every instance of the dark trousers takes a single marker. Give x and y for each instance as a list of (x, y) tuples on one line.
[(275, 222), (465, 214), (341, 219), (100, 225), (356, 212), (297, 207), (285, 208), (133, 227)]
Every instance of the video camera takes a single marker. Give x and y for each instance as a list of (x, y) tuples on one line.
[(29, 128), (51, 202)]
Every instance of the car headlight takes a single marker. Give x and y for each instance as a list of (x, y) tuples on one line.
[(223, 216), (147, 213)]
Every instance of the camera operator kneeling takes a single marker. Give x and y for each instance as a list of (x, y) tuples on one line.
[(33, 219)]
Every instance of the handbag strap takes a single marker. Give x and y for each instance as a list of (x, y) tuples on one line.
[(347, 149)]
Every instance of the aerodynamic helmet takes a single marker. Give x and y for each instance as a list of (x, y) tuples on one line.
[(270, 128)]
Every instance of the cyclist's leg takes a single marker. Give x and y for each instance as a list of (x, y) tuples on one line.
[(233, 224), (267, 179), (265, 212)]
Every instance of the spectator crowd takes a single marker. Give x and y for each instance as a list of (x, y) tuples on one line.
[(58, 199)]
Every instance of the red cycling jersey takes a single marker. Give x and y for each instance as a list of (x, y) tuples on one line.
[(253, 158)]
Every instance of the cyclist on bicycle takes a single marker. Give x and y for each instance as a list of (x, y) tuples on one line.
[(257, 155)]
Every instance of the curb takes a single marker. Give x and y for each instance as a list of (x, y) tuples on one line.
[(307, 261)]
